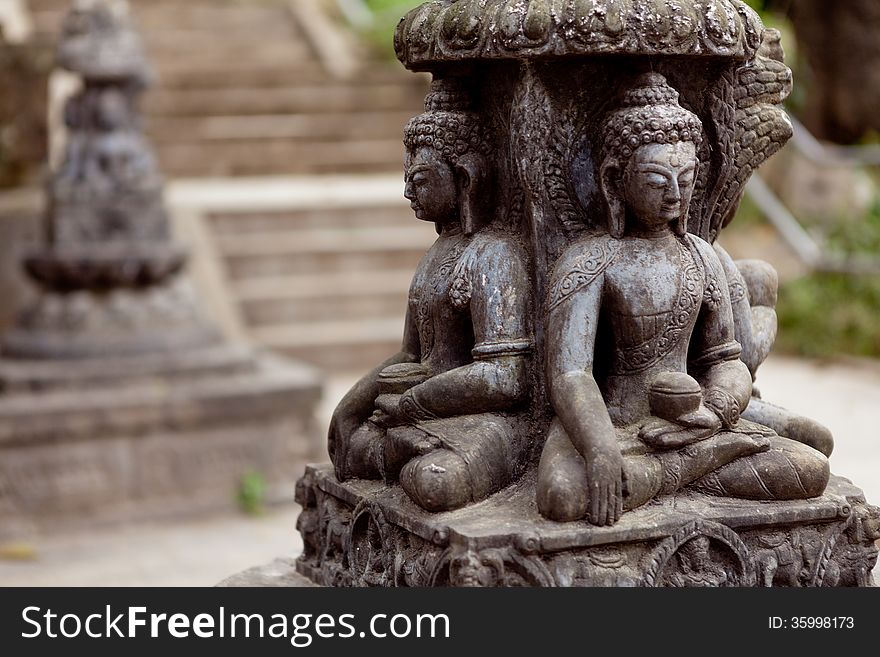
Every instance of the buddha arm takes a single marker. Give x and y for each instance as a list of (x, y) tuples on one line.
[(715, 354), (491, 282), (742, 310), (574, 393), (483, 386), (359, 403), (727, 389), (578, 401)]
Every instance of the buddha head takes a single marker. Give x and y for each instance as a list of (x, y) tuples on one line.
[(649, 159), (447, 151)]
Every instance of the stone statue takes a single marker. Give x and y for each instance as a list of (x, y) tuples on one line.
[(111, 277), (573, 403), (467, 335), (632, 314), (120, 397)]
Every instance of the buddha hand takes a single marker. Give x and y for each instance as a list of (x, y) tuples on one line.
[(605, 487), (685, 430), (680, 416)]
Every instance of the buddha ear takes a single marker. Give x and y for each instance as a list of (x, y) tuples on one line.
[(611, 184), (470, 173), (681, 226)]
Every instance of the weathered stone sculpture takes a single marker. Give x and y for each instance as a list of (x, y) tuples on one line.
[(467, 335), (108, 268), (631, 313), (573, 404), (120, 399)]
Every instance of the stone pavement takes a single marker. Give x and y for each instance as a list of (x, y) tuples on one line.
[(184, 553), (844, 395)]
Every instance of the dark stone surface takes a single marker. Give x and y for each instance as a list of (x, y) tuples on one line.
[(364, 533), (438, 32)]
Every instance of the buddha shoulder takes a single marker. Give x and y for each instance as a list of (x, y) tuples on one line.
[(491, 262), (580, 265)]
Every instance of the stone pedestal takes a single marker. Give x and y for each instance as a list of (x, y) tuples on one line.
[(364, 533), (110, 440)]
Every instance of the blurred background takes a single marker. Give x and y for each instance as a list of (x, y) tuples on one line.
[(278, 124)]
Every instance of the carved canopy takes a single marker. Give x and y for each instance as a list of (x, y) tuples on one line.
[(456, 30)]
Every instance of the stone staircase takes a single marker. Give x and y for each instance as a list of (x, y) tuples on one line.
[(321, 277), (240, 92), (325, 286)]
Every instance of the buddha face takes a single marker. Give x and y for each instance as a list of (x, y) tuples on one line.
[(430, 187), (658, 183)]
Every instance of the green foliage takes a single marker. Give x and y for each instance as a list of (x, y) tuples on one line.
[(822, 315), (401, 6), (825, 314), (386, 15), (252, 493), (765, 11), (860, 236), (748, 215)]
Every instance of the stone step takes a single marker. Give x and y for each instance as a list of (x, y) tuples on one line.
[(279, 50), (319, 266), (277, 196), (210, 14), (180, 76), (380, 216), (228, 44), (279, 156), (336, 345), (325, 251), (187, 24), (285, 53), (365, 239), (317, 298), (329, 261), (331, 126), (340, 251), (309, 287), (351, 307), (205, 15), (329, 96)]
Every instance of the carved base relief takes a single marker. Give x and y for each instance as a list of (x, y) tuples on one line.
[(364, 534)]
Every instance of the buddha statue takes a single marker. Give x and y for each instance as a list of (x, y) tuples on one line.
[(446, 416), (644, 372)]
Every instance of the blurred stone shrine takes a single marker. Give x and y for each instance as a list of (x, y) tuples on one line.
[(119, 398)]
